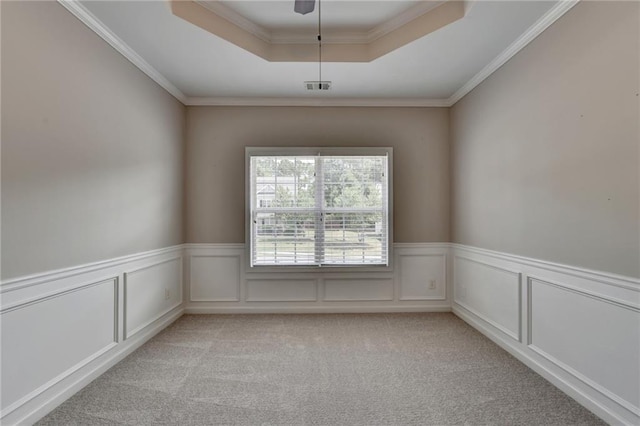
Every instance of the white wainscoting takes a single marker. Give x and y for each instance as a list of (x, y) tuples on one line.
[(219, 281), (489, 291), (419, 268), (278, 290), (150, 292), (62, 329), (580, 329)]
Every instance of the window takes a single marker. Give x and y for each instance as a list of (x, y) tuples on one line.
[(319, 207)]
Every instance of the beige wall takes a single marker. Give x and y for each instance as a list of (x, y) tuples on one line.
[(91, 147), (217, 136), (545, 152)]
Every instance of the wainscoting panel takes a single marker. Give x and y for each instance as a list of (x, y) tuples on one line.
[(278, 289), (48, 330), (215, 278), (594, 338), (490, 292), (150, 292), (61, 329), (580, 328), (358, 289), (220, 281), (423, 276)]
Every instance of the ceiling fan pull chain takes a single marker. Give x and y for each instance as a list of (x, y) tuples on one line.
[(320, 42)]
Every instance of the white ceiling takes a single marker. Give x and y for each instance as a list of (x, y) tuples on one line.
[(358, 15), (208, 69)]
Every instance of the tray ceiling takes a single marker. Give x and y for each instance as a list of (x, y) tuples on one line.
[(436, 68)]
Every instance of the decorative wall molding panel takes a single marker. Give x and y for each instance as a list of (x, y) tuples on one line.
[(489, 291), (150, 292), (67, 330), (215, 277), (606, 368), (358, 289), (579, 329), (414, 268), (279, 289), (62, 329), (219, 280)]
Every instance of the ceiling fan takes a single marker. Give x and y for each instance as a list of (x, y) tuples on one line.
[(304, 6)]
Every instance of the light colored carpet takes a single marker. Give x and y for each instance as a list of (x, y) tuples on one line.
[(349, 369)]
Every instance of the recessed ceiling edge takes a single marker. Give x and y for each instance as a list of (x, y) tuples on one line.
[(259, 42)]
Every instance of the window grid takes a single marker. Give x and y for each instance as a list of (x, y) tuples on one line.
[(299, 218)]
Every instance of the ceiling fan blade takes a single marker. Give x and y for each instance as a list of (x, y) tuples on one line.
[(304, 6)]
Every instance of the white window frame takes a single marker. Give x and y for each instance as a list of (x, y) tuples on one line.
[(313, 151)]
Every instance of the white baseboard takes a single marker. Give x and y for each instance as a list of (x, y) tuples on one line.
[(352, 309)]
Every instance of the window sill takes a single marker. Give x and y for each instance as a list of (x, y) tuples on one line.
[(293, 269)]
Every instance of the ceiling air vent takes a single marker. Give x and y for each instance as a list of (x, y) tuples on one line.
[(317, 85)]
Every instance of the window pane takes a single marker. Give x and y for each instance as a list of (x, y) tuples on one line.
[(284, 181), (284, 238), (351, 182), (354, 238)]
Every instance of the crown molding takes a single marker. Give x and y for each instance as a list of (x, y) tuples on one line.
[(527, 37), (316, 102), (97, 26), (80, 12)]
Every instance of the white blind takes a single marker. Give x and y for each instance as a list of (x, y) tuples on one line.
[(319, 210)]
